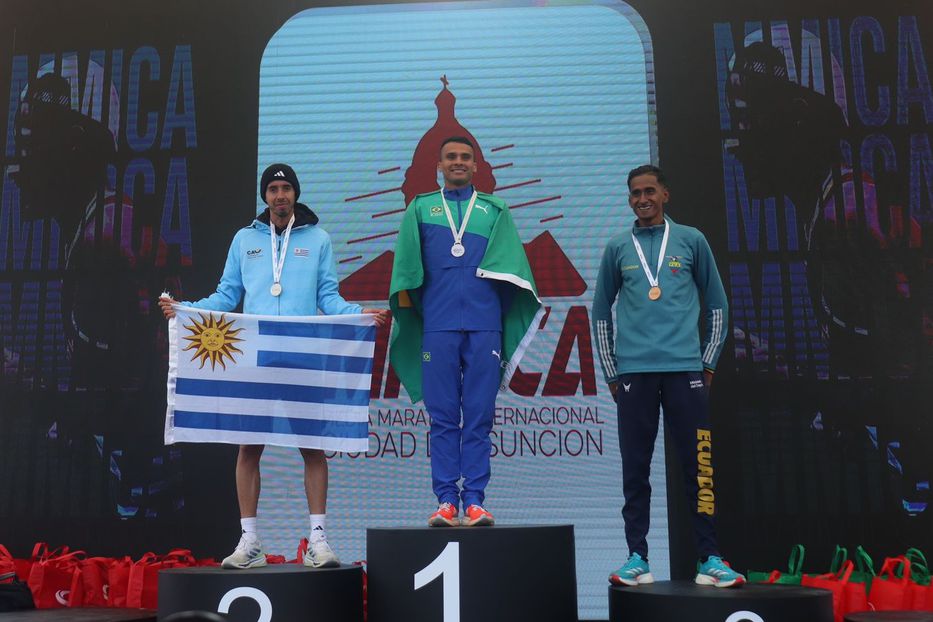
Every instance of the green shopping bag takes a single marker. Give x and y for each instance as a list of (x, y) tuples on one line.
[(791, 577), (865, 569), (838, 564), (840, 557), (919, 592), (919, 569)]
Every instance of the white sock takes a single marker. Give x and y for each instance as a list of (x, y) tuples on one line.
[(248, 525), (317, 528)]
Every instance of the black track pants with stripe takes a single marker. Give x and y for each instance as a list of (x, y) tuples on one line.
[(685, 401)]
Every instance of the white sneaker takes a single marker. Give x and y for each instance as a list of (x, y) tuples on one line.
[(248, 554), (320, 555)]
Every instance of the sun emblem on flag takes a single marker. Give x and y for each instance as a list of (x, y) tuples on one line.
[(212, 339)]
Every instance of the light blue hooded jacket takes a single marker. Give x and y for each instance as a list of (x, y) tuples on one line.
[(309, 276)]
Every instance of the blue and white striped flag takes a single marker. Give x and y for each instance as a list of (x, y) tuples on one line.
[(255, 379)]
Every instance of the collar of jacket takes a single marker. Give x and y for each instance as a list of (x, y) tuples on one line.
[(458, 194), (653, 229), (303, 216)]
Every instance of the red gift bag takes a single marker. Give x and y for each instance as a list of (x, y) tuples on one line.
[(890, 593), (94, 580), (773, 577), (40, 550), (919, 597), (118, 580), (300, 554), (919, 590), (7, 564), (864, 570), (55, 581), (143, 588), (854, 598), (140, 580), (835, 583)]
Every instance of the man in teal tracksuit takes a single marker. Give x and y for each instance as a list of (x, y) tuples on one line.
[(662, 273), (281, 264)]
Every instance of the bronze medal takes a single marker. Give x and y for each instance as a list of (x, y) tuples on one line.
[(654, 293)]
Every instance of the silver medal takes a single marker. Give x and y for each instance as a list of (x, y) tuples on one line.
[(278, 255), (458, 250)]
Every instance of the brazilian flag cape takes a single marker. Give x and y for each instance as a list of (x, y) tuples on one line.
[(504, 260)]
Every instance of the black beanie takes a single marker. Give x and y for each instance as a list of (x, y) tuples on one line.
[(278, 172)]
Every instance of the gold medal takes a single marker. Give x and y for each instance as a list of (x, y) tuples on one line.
[(654, 293)]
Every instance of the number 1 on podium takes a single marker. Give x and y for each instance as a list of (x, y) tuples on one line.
[(446, 565)]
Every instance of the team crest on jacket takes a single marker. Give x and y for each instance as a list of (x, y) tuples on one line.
[(436, 210), (674, 263)]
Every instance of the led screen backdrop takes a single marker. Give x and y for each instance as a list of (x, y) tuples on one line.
[(559, 100)]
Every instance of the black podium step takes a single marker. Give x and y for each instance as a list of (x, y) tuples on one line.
[(491, 574), (666, 601), (275, 592), (89, 614)]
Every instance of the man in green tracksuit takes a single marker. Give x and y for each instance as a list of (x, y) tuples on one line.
[(662, 273), (465, 309)]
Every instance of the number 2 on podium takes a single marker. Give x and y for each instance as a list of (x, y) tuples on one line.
[(446, 565)]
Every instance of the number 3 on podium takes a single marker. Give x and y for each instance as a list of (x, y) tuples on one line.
[(446, 565)]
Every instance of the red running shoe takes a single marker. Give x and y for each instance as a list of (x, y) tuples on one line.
[(445, 516), (476, 516)]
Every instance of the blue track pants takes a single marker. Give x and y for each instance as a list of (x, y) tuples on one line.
[(461, 373)]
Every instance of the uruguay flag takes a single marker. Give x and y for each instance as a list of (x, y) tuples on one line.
[(270, 380)]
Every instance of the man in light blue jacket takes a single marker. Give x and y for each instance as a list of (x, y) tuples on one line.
[(281, 264)]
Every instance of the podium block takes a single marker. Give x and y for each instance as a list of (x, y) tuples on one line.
[(275, 592), (684, 600), (491, 574)]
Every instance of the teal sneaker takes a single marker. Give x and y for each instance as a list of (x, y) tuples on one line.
[(717, 572), (634, 572)]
